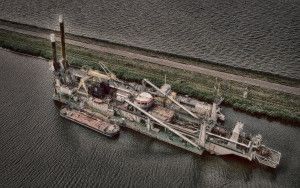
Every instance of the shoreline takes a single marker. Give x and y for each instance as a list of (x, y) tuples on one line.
[(169, 63), (262, 103), (265, 76)]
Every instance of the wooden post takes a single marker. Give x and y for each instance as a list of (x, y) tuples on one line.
[(245, 93)]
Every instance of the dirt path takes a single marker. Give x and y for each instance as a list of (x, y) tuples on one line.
[(164, 62)]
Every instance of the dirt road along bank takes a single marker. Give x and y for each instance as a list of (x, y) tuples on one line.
[(164, 62)]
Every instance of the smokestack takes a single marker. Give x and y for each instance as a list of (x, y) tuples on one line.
[(63, 43), (54, 57)]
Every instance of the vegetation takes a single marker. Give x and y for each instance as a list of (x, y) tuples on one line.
[(259, 101)]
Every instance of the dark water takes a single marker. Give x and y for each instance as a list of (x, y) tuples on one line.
[(39, 148), (261, 35)]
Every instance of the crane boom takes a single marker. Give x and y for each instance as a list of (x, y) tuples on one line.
[(173, 100), (161, 123)]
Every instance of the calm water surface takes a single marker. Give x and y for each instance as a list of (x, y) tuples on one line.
[(38, 148), (261, 35)]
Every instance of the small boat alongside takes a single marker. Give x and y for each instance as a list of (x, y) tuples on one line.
[(90, 122)]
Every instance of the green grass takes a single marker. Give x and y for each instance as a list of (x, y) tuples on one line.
[(262, 102)]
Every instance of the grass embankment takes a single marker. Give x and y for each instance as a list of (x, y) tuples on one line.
[(260, 101), (165, 55)]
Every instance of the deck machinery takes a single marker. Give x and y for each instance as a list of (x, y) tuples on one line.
[(99, 100)]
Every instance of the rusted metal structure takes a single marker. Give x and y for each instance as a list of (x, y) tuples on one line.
[(98, 100)]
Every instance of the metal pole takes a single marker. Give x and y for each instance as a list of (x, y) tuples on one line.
[(54, 56), (202, 134), (63, 43)]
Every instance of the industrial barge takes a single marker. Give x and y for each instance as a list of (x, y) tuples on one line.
[(97, 99)]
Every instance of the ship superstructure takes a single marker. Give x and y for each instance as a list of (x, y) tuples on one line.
[(102, 102)]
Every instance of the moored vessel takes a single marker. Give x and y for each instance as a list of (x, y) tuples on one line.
[(90, 121), (98, 100)]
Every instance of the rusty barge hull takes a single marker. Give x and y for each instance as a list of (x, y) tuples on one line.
[(89, 122)]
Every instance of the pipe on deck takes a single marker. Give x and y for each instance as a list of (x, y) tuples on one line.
[(173, 100), (163, 124)]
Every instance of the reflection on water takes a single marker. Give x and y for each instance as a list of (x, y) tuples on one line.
[(39, 148)]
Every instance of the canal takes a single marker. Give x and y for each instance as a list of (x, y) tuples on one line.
[(39, 148)]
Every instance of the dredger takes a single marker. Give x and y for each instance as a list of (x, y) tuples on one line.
[(98, 100)]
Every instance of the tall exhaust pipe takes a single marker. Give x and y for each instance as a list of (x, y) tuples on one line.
[(63, 43), (54, 56)]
